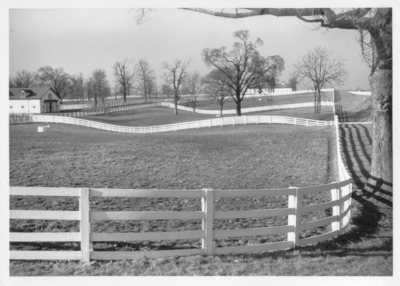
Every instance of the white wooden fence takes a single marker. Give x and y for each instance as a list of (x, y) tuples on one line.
[(75, 106), (340, 203), (222, 121), (139, 101), (340, 193), (248, 110)]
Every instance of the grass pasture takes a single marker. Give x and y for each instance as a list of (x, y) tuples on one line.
[(249, 102), (240, 157)]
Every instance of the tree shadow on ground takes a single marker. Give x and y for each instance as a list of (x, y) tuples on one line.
[(372, 205)]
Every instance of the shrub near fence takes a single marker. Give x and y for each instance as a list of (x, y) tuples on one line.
[(340, 203)]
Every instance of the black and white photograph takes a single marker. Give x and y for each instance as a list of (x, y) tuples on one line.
[(176, 141)]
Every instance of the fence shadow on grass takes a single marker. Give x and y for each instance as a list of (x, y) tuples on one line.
[(370, 208)]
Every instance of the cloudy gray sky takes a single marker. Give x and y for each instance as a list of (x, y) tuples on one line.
[(82, 40)]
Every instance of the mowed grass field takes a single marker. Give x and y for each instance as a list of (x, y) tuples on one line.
[(253, 156)]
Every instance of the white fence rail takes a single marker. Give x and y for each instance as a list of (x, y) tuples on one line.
[(278, 93), (222, 121), (139, 101), (340, 203), (248, 110), (75, 106), (344, 173)]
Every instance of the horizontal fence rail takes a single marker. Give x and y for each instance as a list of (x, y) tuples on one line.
[(247, 110), (138, 101), (221, 121), (75, 106), (340, 197)]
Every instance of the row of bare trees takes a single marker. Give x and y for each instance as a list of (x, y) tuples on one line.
[(74, 87)]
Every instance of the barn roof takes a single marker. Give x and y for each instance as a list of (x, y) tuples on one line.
[(29, 93)]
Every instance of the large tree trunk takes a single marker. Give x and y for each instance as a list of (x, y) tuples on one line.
[(238, 104), (238, 108), (381, 86), (176, 105), (382, 149)]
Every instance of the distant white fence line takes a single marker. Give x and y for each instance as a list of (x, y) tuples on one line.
[(142, 101), (360, 92), (248, 110), (253, 93), (75, 106), (222, 121)]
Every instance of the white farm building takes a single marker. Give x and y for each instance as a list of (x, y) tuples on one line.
[(33, 100)]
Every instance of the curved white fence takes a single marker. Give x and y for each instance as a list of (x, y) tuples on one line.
[(344, 175), (341, 192), (248, 110), (222, 121), (338, 221)]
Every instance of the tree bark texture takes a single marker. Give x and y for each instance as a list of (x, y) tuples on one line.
[(381, 80)]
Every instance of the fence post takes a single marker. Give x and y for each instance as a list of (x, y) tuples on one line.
[(336, 209), (207, 206), (294, 219), (85, 225)]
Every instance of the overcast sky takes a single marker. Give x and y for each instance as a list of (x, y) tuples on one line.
[(82, 40)]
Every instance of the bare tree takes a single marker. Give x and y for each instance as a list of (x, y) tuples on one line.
[(215, 85), (167, 90), (293, 80), (194, 86), (377, 24), (116, 90), (175, 75), (77, 87), (322, 68), (25, 79), (123, 76), (145, 77), (101, 86), (243, 65), (56, 79)]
